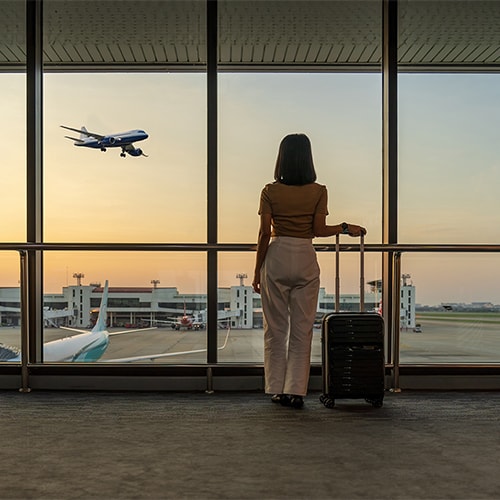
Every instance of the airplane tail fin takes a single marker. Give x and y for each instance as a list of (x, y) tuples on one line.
[(84, 133), (100, 325)]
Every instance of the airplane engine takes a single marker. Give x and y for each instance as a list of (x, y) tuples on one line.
[(135, 152), (108, 141)]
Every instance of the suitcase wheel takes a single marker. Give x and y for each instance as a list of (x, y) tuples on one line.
[(376, 403), (327, 401)]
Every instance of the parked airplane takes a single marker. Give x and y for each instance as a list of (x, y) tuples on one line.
[(89, 345), (186, 321), (197, 321), (122, 140)]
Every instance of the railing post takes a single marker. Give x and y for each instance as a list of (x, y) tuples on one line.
[(396, 327), (210, 381), (24, 323)]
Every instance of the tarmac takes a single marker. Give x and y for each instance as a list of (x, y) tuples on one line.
[(438, 342)]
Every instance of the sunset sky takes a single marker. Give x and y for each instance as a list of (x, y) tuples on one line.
[(448, 160)]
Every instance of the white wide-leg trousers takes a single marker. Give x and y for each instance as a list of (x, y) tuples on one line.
[(289, 291)]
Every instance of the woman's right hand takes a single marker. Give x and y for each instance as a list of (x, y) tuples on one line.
[(355, 230), (256, 282)]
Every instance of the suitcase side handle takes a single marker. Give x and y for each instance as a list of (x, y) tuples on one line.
[(361, 273)]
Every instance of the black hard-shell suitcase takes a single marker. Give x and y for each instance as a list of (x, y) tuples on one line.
[(352, 349)]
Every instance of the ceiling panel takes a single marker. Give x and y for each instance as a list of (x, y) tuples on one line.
[(288, 34)]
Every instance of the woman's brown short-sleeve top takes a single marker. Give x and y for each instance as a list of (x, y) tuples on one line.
[(293, 207)]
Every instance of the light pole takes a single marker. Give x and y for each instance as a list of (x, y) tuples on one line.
[(241, 278), (78, 277)]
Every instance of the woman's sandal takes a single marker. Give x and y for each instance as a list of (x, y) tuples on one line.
[(282, 399)]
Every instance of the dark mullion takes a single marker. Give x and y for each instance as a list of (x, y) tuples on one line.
[(390, 159), (212, 216), (34, 156)]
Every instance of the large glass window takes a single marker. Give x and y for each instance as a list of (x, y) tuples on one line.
[(10, 307), (241, 308), (341, 115), (450, 308), (13, 123), (239, 315), (12, 171), (111, 75), (156, 308), (92, 195), (447, 180), (448, 158)]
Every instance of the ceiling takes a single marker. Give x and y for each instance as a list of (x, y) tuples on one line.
[(285, 34)]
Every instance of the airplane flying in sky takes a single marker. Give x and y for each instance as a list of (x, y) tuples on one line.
[(122, 140), (90, 345)]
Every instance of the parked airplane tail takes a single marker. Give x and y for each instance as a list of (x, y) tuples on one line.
[(100, 325)]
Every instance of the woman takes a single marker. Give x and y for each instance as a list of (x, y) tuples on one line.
[(292, 211)]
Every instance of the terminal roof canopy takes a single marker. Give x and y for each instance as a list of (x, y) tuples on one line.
[(310, 35)]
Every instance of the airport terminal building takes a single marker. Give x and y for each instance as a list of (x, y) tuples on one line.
[(78, 305)]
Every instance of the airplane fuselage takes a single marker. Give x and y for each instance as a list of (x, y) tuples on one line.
[(115, 140), (84, 347), (123, 140)]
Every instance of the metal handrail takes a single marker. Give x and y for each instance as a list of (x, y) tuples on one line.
[(245, 247)]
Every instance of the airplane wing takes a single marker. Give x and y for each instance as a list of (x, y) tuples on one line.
[(73, 329), (86, 132), (109, 333), (132, 330), (150, 357), (73, 138)]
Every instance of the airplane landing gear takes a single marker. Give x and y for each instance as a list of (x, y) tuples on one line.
[(123, 155), (103, 150)]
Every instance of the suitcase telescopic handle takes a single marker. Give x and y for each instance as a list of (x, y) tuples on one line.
[(361, 273)]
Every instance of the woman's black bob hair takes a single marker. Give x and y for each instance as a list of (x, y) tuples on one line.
[(294, 164)]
